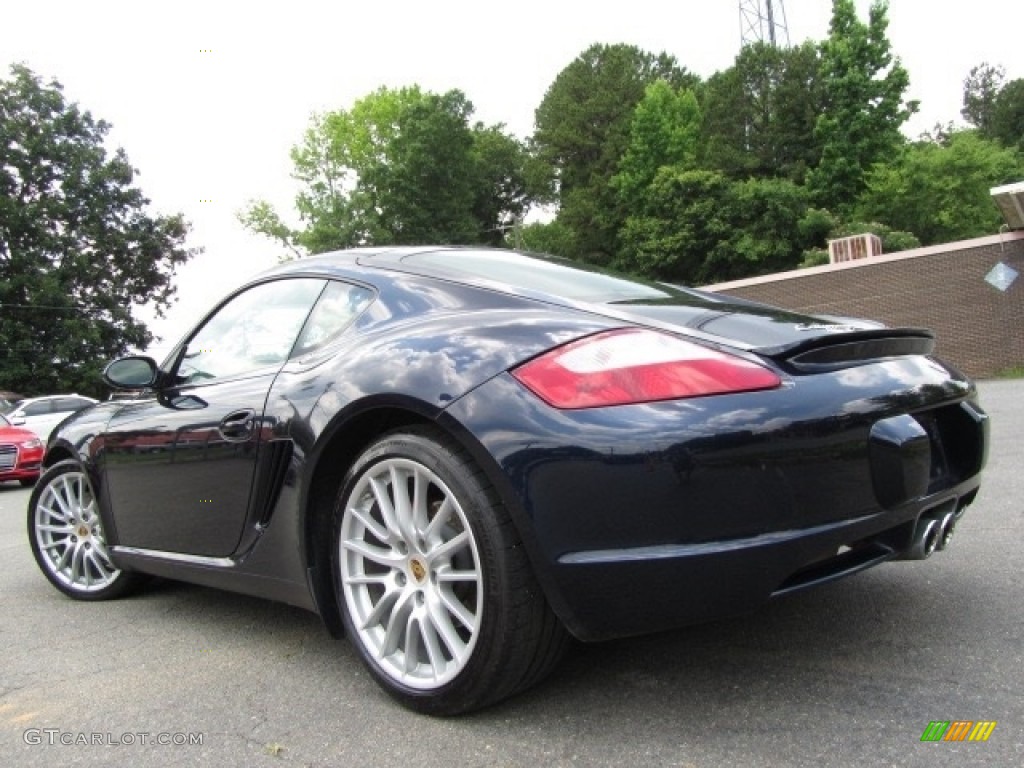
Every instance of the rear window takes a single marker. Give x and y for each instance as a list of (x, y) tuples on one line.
[(543, 275)]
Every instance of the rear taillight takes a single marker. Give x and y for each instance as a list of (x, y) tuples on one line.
[(637, 366)]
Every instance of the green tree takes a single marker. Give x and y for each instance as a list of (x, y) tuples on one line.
[(940, 192), (664, 131), (981, 86), (582, 132), (1008, 115), (548, 237), (423, 188), (402, 166), (700, 227), (77, 246), (864, 105), (760, 114), (504, 167)]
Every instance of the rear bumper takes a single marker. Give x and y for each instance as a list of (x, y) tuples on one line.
[(618, 593), (642, 518)]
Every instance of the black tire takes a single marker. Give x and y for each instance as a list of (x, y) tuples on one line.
[(437, 597), (66, 536), (28, 482)]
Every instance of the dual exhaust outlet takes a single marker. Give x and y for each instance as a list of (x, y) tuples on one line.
[(933, 533)]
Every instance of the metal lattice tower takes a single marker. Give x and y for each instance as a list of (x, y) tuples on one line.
[(763, 21)]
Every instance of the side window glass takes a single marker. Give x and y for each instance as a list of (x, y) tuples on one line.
[(254, 330), (339, 305), (38, 409)]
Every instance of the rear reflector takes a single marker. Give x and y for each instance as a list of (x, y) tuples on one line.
[(637, 366)]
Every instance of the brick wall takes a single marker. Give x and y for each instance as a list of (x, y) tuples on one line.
[(979, 328)]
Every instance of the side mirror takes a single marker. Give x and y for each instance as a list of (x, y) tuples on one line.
[(18, 421), (132, 372)]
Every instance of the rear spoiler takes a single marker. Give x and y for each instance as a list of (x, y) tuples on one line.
[(838, 347)]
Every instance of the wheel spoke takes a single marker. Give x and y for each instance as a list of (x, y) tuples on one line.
[(445, 575), (76, 563), (381, 608), (385, 557), (64, 529), (387, 510), (62, 563), (397, 624), (443, 624), (379, 532), (442, 516), (450, 546), (420, 517), (412, 643), (403, 504), (437, 660), (457, 609), (55, 498), (369, 578)]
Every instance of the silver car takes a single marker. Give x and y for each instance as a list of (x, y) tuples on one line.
[(42, 414)]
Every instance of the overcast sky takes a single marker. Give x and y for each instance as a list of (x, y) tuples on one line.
[(218, 125)]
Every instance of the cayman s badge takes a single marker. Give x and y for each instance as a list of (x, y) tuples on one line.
[(827, 327)]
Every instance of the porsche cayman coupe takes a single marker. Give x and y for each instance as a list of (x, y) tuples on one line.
[(461, 457)]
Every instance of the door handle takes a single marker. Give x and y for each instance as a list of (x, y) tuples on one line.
[(237, 427)]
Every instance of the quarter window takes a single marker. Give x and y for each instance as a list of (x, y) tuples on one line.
[(338, 307)]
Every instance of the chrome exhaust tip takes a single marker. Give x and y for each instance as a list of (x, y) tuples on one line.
[(926, 539), (946, 528)]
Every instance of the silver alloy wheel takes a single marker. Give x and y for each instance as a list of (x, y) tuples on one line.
[(410, 573), (69, 534)]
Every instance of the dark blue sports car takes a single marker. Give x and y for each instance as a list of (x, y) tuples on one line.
[(461, 457)]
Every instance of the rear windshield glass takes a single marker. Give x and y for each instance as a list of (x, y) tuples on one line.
[(567, 280)]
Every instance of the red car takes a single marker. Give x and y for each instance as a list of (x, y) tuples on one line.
[(21, 453)]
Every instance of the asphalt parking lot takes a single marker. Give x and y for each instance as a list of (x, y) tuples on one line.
[(848, 674)]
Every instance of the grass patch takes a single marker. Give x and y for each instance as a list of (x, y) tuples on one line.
[(1013, 372)]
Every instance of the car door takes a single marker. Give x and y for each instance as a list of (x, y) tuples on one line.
[(179, 466)]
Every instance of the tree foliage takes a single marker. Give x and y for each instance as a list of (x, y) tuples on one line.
[(582, 131), (699, 226), (981, 87), (864, 106), (664, 131), (402, 166), (760, 114), (77, 246), (940, 192), (1008, 115)]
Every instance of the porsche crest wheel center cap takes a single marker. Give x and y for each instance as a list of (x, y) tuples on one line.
[(419, 572)]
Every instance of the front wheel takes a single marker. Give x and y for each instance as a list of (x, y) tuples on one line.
[(67, 538), (434, 588)]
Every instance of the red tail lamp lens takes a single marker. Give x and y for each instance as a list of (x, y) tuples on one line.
[(637, 366)]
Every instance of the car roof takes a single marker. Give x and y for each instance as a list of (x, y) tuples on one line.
[(540, 276), (28, 400)]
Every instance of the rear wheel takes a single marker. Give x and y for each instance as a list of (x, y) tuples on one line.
[(67, 538), (434, 588)]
